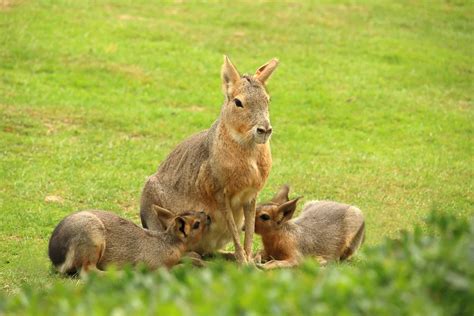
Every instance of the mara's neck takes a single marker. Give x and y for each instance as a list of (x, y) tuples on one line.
[(172, 241), (280, 244)]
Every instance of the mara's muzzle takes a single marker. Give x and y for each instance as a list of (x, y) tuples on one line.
[(263, 133)]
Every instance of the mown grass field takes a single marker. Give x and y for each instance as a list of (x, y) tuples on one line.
[(372, 104)]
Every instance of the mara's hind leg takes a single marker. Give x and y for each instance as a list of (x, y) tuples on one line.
[(353, 244), (91, 259), (85, 270), (69, 267), (321, 260)]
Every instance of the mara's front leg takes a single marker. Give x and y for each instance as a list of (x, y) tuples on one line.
[(274, 264), (195, 259), (249, 216), (261, 257), (229, 218)]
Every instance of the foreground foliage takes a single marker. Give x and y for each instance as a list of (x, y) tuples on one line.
[(421, 273)]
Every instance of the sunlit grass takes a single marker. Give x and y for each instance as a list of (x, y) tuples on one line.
[(371, 105)]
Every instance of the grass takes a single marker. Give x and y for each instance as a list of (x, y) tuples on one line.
[(371, 105)]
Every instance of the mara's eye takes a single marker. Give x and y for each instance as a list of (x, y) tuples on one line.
[(238, 103), (196, 225), (264, 217)]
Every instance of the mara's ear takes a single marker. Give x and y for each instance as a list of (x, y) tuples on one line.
[(230, 77), (265, 71), (164, 216), (282, 195), (162, 212), (181, 227), (286, 210)]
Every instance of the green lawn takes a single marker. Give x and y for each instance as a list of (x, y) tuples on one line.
[(372, 104)]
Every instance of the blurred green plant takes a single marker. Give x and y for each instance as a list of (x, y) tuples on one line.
[(421, 273)]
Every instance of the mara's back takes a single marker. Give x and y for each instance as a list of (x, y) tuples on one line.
[(323, 227), (173, 186), (126, 242)]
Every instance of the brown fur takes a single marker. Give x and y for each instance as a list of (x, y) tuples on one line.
[(93, 240), (325, 230), (278, 248), (221, 169)]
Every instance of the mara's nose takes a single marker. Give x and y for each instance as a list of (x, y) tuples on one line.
[(262, 130)]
